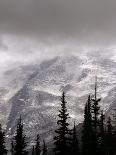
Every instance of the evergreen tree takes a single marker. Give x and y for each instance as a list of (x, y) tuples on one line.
[(102, 135), (33, 150), (87, 132), (95, 109), (62, 146), (20, 140), (95, 119), (37, 147), (3, 150), (44, 149), (109, 138), (75, 144)]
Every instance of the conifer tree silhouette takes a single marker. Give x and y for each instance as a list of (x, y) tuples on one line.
[(37, 147), (20, 140), (3, 150), (87, 132), (95, 108), (95, 119), (62, 142)]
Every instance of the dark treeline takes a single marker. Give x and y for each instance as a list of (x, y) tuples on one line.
[(98, 135)]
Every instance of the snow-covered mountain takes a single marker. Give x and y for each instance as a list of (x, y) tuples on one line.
[(34, 90)]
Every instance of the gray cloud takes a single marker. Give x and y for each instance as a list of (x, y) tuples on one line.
[(33, 30), (88, 21)]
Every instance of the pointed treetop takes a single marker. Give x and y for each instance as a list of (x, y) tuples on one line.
[(63, 96), (20, 119), (74, 128), (96, 87), (74, 124), (95, 93)]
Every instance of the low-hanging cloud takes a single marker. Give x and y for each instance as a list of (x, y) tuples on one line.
[(88, 21), (33, 30)]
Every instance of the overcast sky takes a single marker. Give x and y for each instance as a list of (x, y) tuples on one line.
[(35, 27), (86, 20)]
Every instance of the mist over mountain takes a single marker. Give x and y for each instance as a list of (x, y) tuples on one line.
[(34, 90)]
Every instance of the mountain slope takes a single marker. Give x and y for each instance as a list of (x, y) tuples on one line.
[(34, 91)]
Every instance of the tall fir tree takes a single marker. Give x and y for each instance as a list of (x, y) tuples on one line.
[(20, 140), (37, 147), (95, 108), (61, 140), (44, 149), (87, 132), (95, 118), (3, 150), (75, 143)]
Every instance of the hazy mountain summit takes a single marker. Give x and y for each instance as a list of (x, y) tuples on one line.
[(34, 90)]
